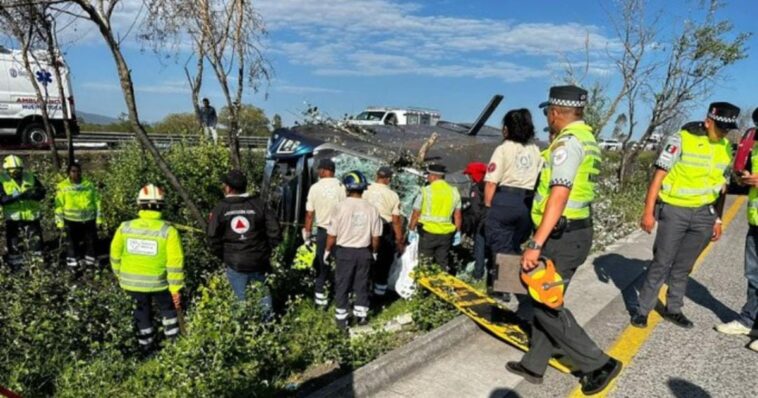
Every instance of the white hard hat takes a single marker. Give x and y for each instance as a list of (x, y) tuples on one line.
[(150, 194)]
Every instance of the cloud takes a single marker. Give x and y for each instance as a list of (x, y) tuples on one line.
[(168, 87), (295, 89), (386, 37)]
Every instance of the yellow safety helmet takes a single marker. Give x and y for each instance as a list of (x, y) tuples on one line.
[(13, 162), (150, 194), (304, 256)]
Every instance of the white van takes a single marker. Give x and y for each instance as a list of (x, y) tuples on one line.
[(20, 114), (374, 116)]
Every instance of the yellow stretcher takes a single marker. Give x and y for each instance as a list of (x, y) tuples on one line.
[(485, 311)]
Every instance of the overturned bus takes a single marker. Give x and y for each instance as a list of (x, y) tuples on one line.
[(292, 155)]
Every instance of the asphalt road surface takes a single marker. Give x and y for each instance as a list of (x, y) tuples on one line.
[(660, 361)]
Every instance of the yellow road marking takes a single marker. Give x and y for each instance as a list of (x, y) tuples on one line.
[(630, 341)]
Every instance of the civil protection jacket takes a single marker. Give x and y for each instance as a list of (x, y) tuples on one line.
[(21, 200), (147, 255), (77, 202), (243, 232)]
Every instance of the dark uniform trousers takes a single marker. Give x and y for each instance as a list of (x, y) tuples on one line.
[(436, 247), (143, 315), (322, 268), (81, 234), (386, 256), (682, 235), (557, 330), (508, 222), (352, 273)]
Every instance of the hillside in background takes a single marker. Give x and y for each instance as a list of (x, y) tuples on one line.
[(94, 118)]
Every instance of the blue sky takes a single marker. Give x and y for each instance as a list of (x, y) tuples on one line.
[(342, 55)]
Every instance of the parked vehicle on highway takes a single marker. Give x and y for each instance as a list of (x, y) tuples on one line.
[(610, 145), (377, 116), (20, 113)]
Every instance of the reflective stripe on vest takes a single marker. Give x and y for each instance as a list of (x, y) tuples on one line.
[(21, 210), (582, 192), (437, 207), (696, 179)]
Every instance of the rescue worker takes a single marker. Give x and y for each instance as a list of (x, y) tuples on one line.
[(473, 215), (748, 317), (77, 213), (387, 202), (147, 257), (562, 217), (20, 198), (438, 210), (322, 197), (509, 187), (686, 194), (355, 230), (242, 233)]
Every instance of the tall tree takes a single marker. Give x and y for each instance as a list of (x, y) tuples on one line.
[(225, 33)]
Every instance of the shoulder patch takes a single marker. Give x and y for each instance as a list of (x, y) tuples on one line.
[(491, 167), (559, 156)]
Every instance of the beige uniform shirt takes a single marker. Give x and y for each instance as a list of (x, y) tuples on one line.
[(384, 199), (354, 222), (515, 165), (322, 197)]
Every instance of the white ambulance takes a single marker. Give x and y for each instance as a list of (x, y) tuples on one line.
[(20, 113)]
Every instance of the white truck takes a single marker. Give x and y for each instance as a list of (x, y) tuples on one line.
[(377, 115), (20, 112)]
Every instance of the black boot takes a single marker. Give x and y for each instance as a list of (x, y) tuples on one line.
[(596, 381)]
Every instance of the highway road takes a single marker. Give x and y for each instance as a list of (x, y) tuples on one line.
[(660, 361)]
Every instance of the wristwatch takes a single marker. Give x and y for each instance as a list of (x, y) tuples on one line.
[(533, 245)]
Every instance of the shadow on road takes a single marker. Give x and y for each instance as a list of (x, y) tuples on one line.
[(504, 393), (616, 269), (681, 388), (702, 296)]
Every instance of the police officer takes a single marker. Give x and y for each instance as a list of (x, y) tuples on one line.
[(322, 197), (355, 230), (77, 212), (438, 210), (243, 233), (147, 257), (688, 190), (20, 198), (748, 317), (387, 202), (562, 217), (509, 184)]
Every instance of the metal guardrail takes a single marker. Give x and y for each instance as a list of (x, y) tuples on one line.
[(105, 140)]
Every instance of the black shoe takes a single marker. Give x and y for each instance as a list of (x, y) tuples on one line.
[(361, 321), (638, 320), (594, 382), (518, 369), (678, 319)]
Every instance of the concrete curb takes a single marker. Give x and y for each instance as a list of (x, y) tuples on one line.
[(372, 377)]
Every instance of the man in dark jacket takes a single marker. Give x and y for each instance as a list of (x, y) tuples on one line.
[(243, 233)]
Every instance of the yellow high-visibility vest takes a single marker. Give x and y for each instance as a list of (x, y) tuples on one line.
[(147, 256), (437, 208), (77, 202), (698, 176), (583, 190), (21, 210)]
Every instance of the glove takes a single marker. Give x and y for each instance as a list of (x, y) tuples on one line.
[(457, 239), (306, 235), (375, 256), (412, 236), (177, 298), (326, 256)]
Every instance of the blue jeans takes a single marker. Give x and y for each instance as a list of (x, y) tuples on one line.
[(240, 281), (750, 309)]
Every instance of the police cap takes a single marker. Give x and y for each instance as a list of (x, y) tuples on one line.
[(724, 114), (566, 96), (438, 169)]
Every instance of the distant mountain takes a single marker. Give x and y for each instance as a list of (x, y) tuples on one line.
[(94, 118)]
